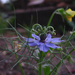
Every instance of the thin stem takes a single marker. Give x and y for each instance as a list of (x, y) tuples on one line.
[(39, 66), (49, 22), (39, 69), (64, 57), (20, 65)]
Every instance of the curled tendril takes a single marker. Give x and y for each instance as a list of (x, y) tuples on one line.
[(37, 27), (34, 31), (50, 29), (45, 29)]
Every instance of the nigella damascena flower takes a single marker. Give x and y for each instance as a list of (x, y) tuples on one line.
[(43, 44)]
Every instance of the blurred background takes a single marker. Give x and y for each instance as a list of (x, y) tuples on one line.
[(29, 12)]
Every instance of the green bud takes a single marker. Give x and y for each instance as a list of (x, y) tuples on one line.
[(59, 49), (72, 32)]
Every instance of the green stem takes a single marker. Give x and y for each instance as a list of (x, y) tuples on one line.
[(49, 22), (20, 65), (39, 66), (39, 69)]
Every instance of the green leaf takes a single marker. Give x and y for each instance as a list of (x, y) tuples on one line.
[(46, 69), (61, 10)]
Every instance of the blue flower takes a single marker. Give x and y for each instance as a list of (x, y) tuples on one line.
[(44, 45)]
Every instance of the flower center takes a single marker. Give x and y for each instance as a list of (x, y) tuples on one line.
[(42, 38)]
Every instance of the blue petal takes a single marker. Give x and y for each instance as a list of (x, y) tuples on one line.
[(32, 44), (36, 37), (38, 43), (48, 38), (43, 47), (30, 40), (56, 40), (51, 45)]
